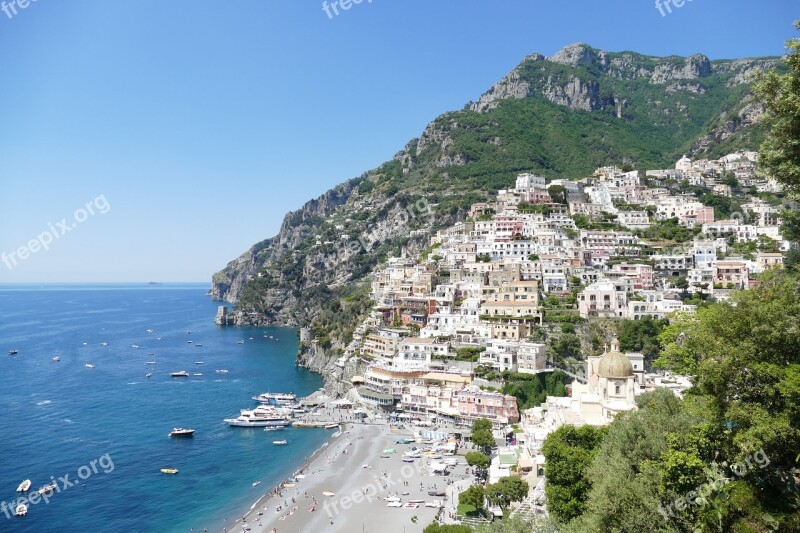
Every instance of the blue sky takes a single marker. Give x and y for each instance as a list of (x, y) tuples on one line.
[(199, 124)]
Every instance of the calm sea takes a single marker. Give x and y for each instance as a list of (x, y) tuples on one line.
[(59, 417)]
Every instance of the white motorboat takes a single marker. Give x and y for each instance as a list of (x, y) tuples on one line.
[(394, 504), (135, 346), (240, 342), (149, 375), (48, 489), (181, 432), (13, 352), (280, 442), (251, 419), (199, 362), (56, 359), (276, 397), (197, 374), (150, 363), (103, 344), (181, 374), (21, 510), (89, 365), (256, 483), (222, 371), (24, 486)]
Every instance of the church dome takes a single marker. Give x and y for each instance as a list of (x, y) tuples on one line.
[(614, 364)]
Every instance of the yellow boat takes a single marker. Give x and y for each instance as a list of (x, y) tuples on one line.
[(169, 470)]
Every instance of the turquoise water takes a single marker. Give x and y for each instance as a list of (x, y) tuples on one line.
[(58, 417)]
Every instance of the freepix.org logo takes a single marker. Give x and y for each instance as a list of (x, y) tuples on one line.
[(44, 240)]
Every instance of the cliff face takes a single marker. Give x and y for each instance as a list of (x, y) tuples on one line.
[(563, 116)]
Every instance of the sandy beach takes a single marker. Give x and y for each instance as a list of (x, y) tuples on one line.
[(344, 486)]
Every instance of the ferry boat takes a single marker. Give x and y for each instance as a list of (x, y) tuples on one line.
[(276, 397), (181, 432), (24, 486), (181, 374), (251, 419), (21, 510)]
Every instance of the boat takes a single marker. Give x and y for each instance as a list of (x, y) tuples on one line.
[(416, 501), (240, 342), (149, 331), (332, 426), (280, 442), (276, 397), (149, 375), (56, 359), (103, 344), (189, 342), (408, 459), (256, 483), (13, 352), (434, 504), (134, 346), (198, 344), (410, 505), (394, 504), (24, 486), (198, 362), (197, 374), (21, 510), (222, 371), (150, 363), (89, 365), (170, 471), (48, 489), (181, 374), (181, 432), (328, 493), (437, 493), (253, 419)]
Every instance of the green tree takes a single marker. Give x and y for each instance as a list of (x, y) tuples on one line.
[(557, 193), (568, 452), (506, 490), (780, 152), (472, 496), (745, 360), (481, 434), (641, 336)]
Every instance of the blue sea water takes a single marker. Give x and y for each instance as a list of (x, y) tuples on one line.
[(58, 417)]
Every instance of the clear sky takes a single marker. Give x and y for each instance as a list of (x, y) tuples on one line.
[(191, 127)]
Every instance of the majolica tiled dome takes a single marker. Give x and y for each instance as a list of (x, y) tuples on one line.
[(614, 364)]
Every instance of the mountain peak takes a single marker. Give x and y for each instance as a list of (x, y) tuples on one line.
[(576, 54)]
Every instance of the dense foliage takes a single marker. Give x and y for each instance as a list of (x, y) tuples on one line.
[(531, 390)]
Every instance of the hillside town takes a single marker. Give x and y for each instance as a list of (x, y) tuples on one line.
[(490, 296)]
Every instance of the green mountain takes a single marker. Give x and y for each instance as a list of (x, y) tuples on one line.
[(562, 116)]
